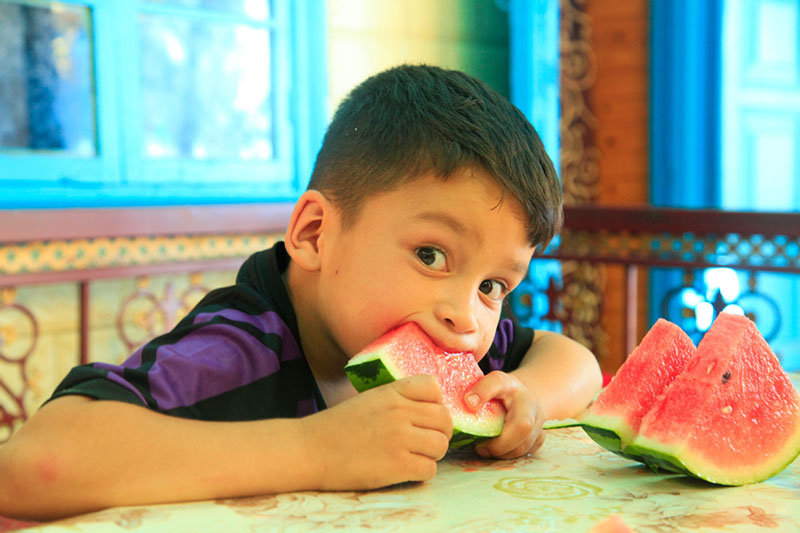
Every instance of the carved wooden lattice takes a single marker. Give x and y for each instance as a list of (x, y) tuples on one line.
[(687, 240), (580, 307), (19, 331)]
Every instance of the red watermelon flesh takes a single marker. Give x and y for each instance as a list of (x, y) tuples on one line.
[(408, 351), (614, 417), (731, 417)]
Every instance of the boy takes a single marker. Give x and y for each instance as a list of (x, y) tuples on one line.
[(429, 197)]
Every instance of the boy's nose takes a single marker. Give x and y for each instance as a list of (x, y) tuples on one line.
[(458, 314)]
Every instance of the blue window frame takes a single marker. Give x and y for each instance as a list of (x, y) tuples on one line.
[(534, 72), (684, 103), (725, 119), (159, 102)]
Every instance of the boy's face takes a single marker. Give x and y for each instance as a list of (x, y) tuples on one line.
[(442, 254)]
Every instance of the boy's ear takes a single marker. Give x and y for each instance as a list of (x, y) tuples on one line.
[(309, 217)]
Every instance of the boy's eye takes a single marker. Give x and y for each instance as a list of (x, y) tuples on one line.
[(432, 257), (493, 289)]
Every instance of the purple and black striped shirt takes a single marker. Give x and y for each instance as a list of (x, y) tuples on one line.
[(236, 356)]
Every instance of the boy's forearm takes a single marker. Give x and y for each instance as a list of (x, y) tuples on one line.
[(77, 455), (562, 373)]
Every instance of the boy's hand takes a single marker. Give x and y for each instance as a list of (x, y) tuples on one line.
[(522, 432), (386, 435)]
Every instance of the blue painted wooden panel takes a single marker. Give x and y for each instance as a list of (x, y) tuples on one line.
[(761, 105), (684, 102), (534, 57), (120, 175), (534, 71), (767, 32), (765, 173), (725, 100), (761, 128)]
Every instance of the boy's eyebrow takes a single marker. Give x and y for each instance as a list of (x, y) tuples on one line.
[(449, 221), (520, 268)]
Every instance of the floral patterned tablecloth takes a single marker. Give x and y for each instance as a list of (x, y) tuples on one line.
[(571, 484)]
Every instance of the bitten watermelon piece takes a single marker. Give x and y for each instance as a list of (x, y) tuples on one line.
[(408, 351), (614, 417), (731, 417)]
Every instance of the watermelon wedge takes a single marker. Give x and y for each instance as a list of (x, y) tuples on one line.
[(725, 412), (408, 351), (614, 417), (731, 417)]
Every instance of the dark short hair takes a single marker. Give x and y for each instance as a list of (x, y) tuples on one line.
[(413, 119)]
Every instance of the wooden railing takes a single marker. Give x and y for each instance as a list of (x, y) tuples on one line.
[(599, 295), (634, 241), (74, 239), (83, 248)]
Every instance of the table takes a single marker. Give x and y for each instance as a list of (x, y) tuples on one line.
[(569, 485)]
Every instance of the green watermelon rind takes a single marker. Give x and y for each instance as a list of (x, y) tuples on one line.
[(371, 370), (557, 423), (655, 454), (660, 460), (607, 438), (614, 434), (368, 372), (466, 431), (462, 439), (610, 440), (611, 433)]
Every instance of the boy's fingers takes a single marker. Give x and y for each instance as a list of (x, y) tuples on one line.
[(420, 467), (525, 447), (433, 416), (521, 434), (430, 413), (495, 384), (538, 443), (420, 388), (432, 444), (503, 449), (499, 446)]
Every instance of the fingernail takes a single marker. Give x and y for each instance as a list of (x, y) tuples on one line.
[(473, 400)]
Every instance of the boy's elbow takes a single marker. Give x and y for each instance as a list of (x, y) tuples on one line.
[(5, 486), (592, 375), (587, 373), (13, 480), (28, 474), (595, 375)]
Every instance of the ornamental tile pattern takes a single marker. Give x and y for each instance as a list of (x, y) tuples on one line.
[(761, 252), (114, 252)]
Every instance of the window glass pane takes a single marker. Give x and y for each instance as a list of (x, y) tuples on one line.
[(254, 9), (46, 85), (206, 89)]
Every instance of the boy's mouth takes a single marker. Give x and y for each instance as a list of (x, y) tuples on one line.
[(444, 347)]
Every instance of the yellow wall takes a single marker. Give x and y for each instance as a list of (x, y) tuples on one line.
[(55, 308), (367, 36)]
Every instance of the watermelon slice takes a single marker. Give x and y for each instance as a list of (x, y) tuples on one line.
[(613, 419), (731, 417), (725, 412), (408, 351)]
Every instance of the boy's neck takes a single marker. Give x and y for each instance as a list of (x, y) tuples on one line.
[(323, 355)]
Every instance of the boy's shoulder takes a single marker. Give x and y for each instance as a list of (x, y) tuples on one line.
[(258, 289)]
